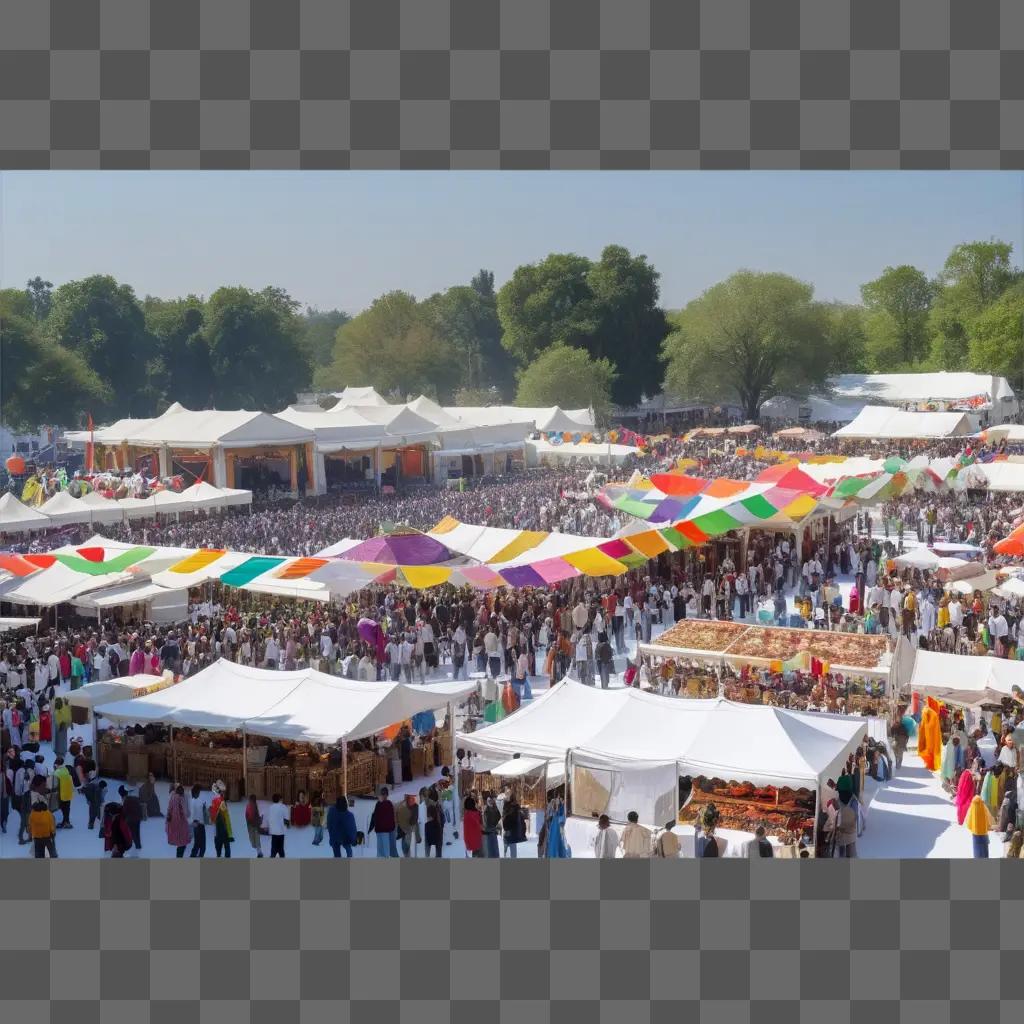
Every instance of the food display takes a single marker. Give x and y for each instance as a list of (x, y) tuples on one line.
[(743, 807), (856, 650), (701, 635), (775, 643)]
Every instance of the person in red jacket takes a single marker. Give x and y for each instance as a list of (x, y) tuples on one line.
[(382, 821), (472, 828), (301, 811)]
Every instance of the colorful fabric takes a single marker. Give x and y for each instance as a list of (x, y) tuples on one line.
[(200, 560), (90, 567), (249, 570)]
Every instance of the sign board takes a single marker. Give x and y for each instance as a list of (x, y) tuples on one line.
[(804, 414)]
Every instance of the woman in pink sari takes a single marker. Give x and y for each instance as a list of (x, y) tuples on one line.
[(854, 600), (964, 796)]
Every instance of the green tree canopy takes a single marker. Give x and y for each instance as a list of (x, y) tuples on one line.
[(562, 375), (393, 347), (254, 352), (102, 321), (40, 294), (41, 382), (610, 308), (320, 328), (184, 371), (467, 318), (898, 301), (997, 342), (974, 276), (748, 338)]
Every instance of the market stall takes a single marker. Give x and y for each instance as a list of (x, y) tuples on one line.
[(664, 758), (795, 668), (308, 724)]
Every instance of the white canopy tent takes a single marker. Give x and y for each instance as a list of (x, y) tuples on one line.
[(999, 476), (303, 706), (966, 679), (898, 388), (16, 517), (125, 688), (103, 510), (625, 731), (607, 454), (884, 423), (62, 509)]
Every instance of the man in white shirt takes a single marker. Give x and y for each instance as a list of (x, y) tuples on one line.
[(273, 653), (606, 839), (956, 614), (326, 651), (393, 652), (277, 821), (998, 628), (492, 652)]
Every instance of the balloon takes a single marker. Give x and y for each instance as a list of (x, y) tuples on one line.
[(15, 465)]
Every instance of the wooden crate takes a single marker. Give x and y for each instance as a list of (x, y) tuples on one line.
[(256, 783), (137, 765), (113, 762), (280, 779)]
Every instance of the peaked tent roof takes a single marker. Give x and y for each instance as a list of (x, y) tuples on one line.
[(238, 428), (16, 517), (921, 387), (881, 421), (304, 705), (359, 396)]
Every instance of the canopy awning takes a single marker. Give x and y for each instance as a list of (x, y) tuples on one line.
[(966, 679), (304, 706)]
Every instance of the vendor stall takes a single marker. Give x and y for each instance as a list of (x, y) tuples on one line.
[(225, 709), (795, 668)]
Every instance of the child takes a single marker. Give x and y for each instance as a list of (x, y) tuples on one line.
[(317, 819)]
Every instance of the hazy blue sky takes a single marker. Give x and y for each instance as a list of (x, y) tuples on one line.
[(342, 239)]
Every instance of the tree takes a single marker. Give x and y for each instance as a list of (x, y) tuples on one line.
[(393, 347), (748, 338), (997, 338), (899, 302), (545, 304), (40, 294), (631, 324), (610, 308), (848, 336), (483, 284), (478, 397), (468, 319), (184, 371), (974, 276), (102, 321), (567, 376), (320, 328), (255, 357), (40, 382)]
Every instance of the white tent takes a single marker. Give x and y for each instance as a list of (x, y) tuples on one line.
[(966, 679), (884, 423), (16, 517), (999, 476), (918, 558), (1013, 432), (359, 396), (58, 584), (898, 388), (240, 428), (540, 450), (557, 420), (304, 706), (125, 688), (103, 510), (622, 730)]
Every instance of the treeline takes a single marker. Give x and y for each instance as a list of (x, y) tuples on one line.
[(566, 330)]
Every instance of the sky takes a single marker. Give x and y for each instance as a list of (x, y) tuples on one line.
[(338, 240)]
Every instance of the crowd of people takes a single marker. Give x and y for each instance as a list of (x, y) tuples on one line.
[(581, 628)]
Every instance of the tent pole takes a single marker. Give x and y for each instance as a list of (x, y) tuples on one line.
[(456, 815), (174, 757), (245, 761), (344, 768)]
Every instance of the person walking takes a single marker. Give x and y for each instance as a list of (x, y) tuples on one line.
[(382, 822), (472, 829), (407, 824), (900, 739), (177, 824), (65, 791), (513, 826), (491, 826), (220, 815), (95, 793), (43, 830), (604, 661), (606, 839), (277, 822), (636, 840), (433, 827), (341, 827), (132, 809), (197, 812), (254, 824), (979, 823), (667, 844)]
